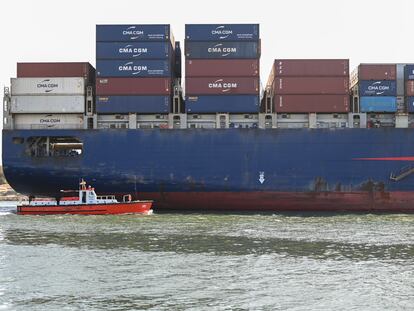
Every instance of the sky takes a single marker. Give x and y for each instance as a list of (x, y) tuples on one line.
[(362, 30)]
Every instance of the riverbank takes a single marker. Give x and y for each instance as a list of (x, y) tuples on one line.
[(6, 192)]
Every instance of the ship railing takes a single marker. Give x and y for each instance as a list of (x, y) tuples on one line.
[(402, 173)]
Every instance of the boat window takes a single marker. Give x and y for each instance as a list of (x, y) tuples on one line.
[(54, 146), (18, 140), (84, 197)]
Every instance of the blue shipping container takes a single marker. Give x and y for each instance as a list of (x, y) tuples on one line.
[(409, 72), (222, 32), (222, 49), (133, 104), (410, 104), (122, 33), (133, 50), (378, 88), (220, 103), (133, 68), (378, 104), (177, 60)]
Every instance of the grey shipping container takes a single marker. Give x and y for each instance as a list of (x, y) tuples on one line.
[(47, 104), (49, 86), (48, 121), (400, 80)]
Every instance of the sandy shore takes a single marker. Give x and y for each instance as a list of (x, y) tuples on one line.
[(8, 194)]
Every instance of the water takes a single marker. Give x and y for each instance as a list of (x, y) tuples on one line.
[(206, 262)]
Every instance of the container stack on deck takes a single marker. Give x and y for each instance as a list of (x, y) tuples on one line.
[(376, 87), (135, 69), (51, 95), (409, 87), (309, 85), (222, 68)]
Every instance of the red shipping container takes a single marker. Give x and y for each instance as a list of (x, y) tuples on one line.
[(377, 72), (311, 103), (222, 68), (50, 70), (133, 86), (221, 85), (311, 67), (311, 85), (409, 88)]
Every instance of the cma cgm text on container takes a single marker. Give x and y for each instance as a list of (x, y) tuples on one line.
[(222, 85), (133, 50), (378, 88), (233, 49), (133, 68)]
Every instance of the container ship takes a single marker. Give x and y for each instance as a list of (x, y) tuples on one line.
[(314, 137)]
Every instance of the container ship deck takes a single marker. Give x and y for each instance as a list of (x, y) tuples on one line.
[(316, 138)]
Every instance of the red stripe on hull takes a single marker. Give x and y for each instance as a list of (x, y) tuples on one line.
[(93, 209), (392, 202), (386, 159)]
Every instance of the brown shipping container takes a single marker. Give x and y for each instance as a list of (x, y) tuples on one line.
[(409, 89), (311, 103), (221, 85), (377, 72), (133, 86), (311, 85), (311, 67), (222, 67), (37, 70)]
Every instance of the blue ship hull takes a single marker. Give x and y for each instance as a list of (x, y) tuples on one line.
[(229, 169)]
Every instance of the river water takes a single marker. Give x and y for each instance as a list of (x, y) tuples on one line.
[(206, 262)]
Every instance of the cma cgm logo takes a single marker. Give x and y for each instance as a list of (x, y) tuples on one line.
[(133, 32), (222, 32), (47, 85), (220, 49), (129, 49), (131, 67), (378, 88), (224, 86)]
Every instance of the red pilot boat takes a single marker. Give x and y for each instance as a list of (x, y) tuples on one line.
[(86, 203)]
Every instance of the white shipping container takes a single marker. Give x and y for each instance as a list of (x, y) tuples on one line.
[(48, 121), (48, 86), (47, 104)]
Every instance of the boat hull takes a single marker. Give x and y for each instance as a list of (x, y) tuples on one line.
[(143, 207), (229, 170)]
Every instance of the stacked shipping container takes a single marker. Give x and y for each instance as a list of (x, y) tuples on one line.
[(50, 95), (409, 86), (376, 87), (222, 68), (309, 85), (135, 67)]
